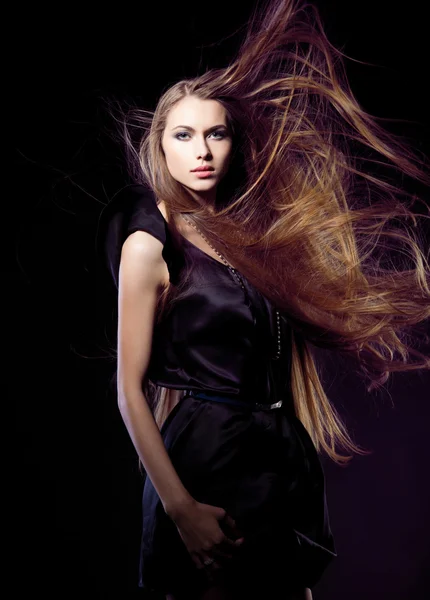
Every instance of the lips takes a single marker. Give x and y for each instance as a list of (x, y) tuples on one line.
[(202, 169)]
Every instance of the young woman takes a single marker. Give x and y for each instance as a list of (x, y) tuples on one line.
[(253, 233)]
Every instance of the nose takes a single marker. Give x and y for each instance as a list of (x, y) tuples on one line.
[(204, 155), (203, 152)]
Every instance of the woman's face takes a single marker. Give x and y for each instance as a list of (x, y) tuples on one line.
[(197, 134)]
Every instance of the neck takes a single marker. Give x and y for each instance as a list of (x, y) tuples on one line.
[(206, 199)]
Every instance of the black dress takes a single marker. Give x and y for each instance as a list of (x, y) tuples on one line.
[(260, 466)]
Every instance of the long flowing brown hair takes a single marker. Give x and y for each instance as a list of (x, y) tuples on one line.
[(324, 232)]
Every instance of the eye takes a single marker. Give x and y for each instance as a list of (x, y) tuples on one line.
[(219, 133)]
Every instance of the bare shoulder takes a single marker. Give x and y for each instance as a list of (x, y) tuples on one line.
[(141, 244), (142, 262)]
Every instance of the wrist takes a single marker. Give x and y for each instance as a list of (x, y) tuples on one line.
[(178, 506)]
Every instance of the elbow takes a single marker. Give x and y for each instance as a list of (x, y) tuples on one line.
[(122, 403), (127, 396), (124, 396)]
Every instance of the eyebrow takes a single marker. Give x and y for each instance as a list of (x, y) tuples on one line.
[(191, 129)]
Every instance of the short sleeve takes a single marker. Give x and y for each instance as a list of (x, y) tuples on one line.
[(132, 209)]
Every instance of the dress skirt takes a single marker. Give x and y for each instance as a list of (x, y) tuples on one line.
[(263, 469)]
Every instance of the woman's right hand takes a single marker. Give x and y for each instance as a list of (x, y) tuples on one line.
[(199, 526)]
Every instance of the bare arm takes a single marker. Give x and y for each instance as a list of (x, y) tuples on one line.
[(140, 279)]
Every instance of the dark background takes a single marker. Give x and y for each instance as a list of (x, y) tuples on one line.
[(77, 479)]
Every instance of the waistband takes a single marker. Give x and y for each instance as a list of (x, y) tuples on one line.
[(253, 406)]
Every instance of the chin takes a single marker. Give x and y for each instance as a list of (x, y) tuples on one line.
[(203, 185)]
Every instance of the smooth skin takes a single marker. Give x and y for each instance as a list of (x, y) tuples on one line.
[(197, 134)]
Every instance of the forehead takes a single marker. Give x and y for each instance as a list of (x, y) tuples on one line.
[(197, 113)]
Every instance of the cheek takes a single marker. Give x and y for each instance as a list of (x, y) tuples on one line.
[(174, 159), (179, 156)]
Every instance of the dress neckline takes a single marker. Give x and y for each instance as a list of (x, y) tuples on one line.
[(202, 251), (194, 245)]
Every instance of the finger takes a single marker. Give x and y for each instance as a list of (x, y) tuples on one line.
[(221, 553), (235, 543), (212, 567), (230, 522), (226, 549), (197, 560)]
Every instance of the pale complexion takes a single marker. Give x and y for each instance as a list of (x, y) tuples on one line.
[(197, 134)]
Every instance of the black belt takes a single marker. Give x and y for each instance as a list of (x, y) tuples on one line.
[(227, 400)]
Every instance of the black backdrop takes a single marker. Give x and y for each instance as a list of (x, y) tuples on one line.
[(78, 485)]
